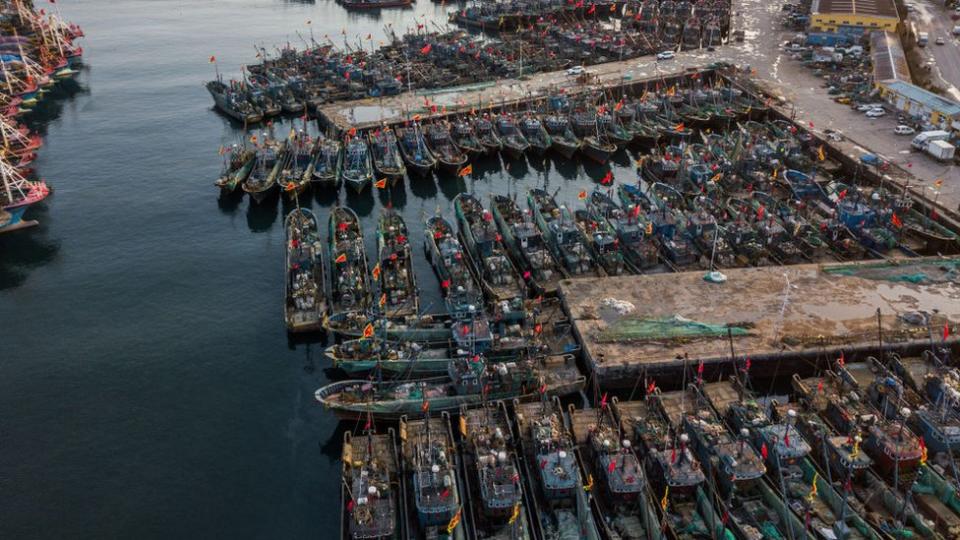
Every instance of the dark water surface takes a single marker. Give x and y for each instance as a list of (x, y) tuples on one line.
[(147, 385)]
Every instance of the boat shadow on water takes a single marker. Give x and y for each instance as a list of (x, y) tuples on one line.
[(261, 217), (394, 196), (26, 249), (451, 186), (361, 203), (423, 188), (50, 108)]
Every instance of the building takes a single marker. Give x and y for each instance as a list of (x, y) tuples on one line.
[(853, 16), (888, 59), (915, 101)]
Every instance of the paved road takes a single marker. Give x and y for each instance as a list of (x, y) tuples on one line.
[(933, 18)]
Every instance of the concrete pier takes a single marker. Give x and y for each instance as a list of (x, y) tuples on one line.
[(657, 324)]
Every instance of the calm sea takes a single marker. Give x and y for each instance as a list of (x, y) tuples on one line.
[(147, 385)]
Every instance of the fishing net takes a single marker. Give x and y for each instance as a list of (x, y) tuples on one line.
[(914, 271), (672, 328)]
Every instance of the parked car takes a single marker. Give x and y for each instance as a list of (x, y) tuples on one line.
[(665, 55), (940, 41), (904, 129), (575, 70), (876, 113)]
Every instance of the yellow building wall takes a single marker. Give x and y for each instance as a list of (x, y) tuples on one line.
[(830, 22)]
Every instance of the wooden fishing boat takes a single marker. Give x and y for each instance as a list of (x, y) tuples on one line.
[(672, 468), (469, 381), (461, 292), (525, 245), (466, 139), (305, 295), (559, 494), (584, 124), (357, 166), (390, 359), (633, 230), (261, 184), (666, 225), (370, 491), (424, 329), (621, 494), (602, 241), (497, 503), (488, 259), (413, 148), (399, 296), (562, 236), (233, 104), (294, 178), (538, 137), (431, 477), (349, 288), (514, 143), (387, 161), (562, 139), (236, 170), (487, 135), (448, 155), (327, 162)]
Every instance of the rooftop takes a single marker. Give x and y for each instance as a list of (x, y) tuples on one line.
[(928, 99), (889, 61), (874, 8)]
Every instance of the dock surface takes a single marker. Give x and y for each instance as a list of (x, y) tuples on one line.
[(653, 322)]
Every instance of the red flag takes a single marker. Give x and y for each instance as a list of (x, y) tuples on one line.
[(445, 493), (526, 274), (426, 49), (763, 451), (543, 389), (350, 506), (673, 455), (896, 220), (538, 329), (592, 10), (760, 212), (445, 284), (786, 438), (840, 361), (946, 331), (700, 369), (747, 366), (607, 179), (543, 464), (425, 407), (612, 465), (368, 424), (820, 386), (603, 401), (841, 195), (652, 387)]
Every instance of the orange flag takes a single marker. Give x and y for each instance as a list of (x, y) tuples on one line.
[(466, 171), (368, 331), (582, 195), (380, 184), (341, 259)]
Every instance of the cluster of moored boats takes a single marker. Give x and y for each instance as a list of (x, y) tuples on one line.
[(866, 450), (37, 51), (292, 80)]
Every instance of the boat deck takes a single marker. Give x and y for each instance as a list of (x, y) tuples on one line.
[(630, 325), (721, 395)]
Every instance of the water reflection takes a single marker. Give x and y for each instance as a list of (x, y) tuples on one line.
[(423, 187), (361, 203), (394, 196), (260, 217), (25, 249), (451, 186)]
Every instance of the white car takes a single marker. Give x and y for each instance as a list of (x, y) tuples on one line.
[(904, 129), (940, 41), (665, 55), (864, 107), (876, 113), (575, 70)]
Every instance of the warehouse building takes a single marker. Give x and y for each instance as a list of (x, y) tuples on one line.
[(853, 16), (935, 110)]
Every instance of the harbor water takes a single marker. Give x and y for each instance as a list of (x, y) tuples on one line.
[(148, 388)]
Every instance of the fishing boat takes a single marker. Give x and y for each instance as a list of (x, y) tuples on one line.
[(294, 176), (349, 288), (514, 143), (394, 271), (584, 124), (387, 161), (236, 170), (425, 329), (357, 166), (327, 162), (525, 245), (602, 241), (461, 292), (672, 468), (370, 490), (413, 148), (261, 184), (469, 381), (374, 4), (305, 295), (560, 498), (488, 259), (562, 139), (634, 231), (538, 137), (562, 236), (391, 359), (232, 103), (466, 139), (621, 494), (491, 472), (448, 155), (431, 478), (487, 135)]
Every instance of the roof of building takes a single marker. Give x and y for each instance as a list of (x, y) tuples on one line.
[(928, 99), (889, 60), (874, 8)]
